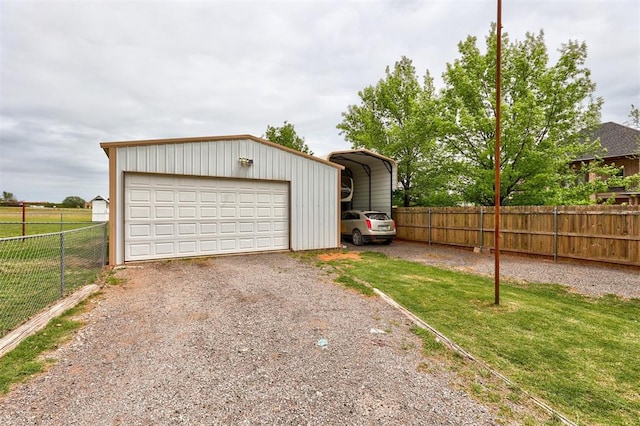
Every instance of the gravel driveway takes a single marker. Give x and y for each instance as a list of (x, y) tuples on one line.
[(238, 340)]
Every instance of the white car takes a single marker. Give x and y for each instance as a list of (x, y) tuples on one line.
[(367, 226)]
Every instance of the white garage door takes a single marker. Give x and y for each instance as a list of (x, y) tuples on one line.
[(178, 216)]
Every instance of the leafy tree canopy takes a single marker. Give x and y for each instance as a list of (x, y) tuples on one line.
[(8, 196), (73, 201), (287, 136), (634, 117), (544, 108), (397, 118)]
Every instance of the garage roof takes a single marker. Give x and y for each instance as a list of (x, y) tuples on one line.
[(119, 144)]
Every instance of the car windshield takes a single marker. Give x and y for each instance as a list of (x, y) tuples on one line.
[(377, 216)]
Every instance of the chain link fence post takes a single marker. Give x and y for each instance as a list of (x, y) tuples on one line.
[(61, 264)]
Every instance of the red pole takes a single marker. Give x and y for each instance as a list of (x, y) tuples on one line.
[(496, 273), (24, 216)]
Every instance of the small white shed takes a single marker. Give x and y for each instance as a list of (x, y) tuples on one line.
[(99, 209), (375, 177), (217, 195)]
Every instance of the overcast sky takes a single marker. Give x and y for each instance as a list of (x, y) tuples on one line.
[(77, 73)]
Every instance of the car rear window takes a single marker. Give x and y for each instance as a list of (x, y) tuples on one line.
[(377, 216)]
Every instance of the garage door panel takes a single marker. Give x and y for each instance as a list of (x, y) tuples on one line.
[(208, 197), (208, 212), (186, 229), (228, 245), (164, 212), (246, 212), (140, 250), (163, 196), (228, 198), (228, 228), (164, 230), (187, 247), (247, 227), (169, 216), (139, 195), (186, 212), (263, 211), (227, 212), (187, 196), (163, 248), (140, 230), (208, 228), (139, 212)]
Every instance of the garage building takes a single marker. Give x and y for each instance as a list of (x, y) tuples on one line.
[(202, 196)]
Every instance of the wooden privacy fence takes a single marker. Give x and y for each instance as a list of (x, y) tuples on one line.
[(600, 233)]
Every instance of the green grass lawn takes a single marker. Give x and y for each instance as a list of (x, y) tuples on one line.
[(68, 217), (30, 271), (26, 359), (579, 354)]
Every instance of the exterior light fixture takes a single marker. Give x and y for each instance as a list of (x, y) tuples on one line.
[(245, 161)]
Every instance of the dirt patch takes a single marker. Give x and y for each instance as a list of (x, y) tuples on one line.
[(325, 257)]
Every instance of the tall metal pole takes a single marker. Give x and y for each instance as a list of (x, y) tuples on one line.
[(497, 155)]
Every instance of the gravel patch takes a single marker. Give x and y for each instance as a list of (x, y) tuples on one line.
[(240, 340), (584, 279)]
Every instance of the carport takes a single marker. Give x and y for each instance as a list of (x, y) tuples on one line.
[(374, 177)]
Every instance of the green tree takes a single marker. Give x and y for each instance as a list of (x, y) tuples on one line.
[(287, 136), (8, 196), (634, 117), (73, 201), (544, 108), (397, 118)]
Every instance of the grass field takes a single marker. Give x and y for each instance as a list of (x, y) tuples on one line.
[(35, 272), (58, 220), (579, 354)]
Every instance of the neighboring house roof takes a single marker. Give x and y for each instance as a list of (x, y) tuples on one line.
[(616, 141), (99, 198)]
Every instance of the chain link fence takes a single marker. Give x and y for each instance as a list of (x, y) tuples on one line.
[(37, 270)]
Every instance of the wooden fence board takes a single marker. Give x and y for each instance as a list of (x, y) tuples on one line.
[(600, 233)]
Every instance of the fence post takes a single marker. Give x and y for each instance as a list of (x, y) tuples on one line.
[(555, 234), (24, 220), (61, 264), (104, 244), (429, 226), (60, 221), (481, 228)]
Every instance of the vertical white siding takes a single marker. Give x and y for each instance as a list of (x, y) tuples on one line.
[(314, 210), (381, 190)]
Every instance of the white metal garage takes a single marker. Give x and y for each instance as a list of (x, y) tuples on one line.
[(216, 195)]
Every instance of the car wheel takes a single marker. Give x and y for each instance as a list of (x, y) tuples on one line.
[(356, 237), (387, 242)]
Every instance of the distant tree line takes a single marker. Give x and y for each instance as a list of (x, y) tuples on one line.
[(9, 200)]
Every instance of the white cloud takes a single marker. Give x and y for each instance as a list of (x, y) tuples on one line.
[(75, 73)]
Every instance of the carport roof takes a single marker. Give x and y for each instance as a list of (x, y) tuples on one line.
[(121, 144), (362, 156)]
